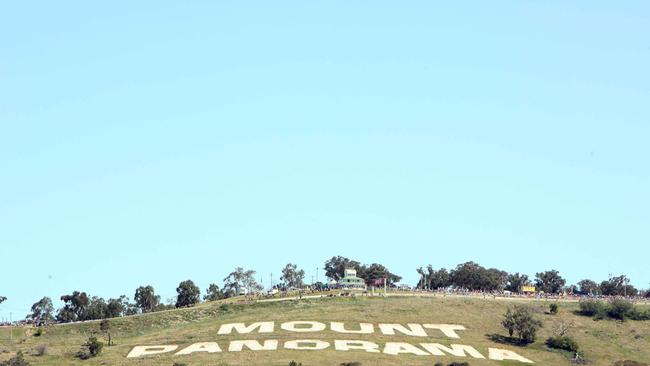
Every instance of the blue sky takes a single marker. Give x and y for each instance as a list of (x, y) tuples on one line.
[(155, 142)]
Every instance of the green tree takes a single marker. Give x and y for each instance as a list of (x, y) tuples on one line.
[(292, 276), (472, 276), (116, 307), (508, 322), (3, 299), (618, 286), (335, 267), (75, 307), (550, 282), (377, 271), (97, 308), (432, 279), (588, 287), (146, 298), (515, 281), (42, 311), (213, 293), (520, 321), (188, 294), (239, 280)]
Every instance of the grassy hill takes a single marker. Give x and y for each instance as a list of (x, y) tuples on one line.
[(604, 342)]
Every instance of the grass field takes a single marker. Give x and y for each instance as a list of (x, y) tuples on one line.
[(604, 342)]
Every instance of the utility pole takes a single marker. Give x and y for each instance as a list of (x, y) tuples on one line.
[(271, 281), (316, 274), (11, 326)]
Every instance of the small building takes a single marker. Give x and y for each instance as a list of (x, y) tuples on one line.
[(528, 289), (351, 282)]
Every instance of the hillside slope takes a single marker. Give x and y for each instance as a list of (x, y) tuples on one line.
[(604, 342)]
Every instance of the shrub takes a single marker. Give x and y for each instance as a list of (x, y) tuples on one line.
[(40, 350), (620, 309), (179, 364), (91, 348), (18, 360), (592, 308), (640, 315), (351, 363), (39, 332), (459, 364), (563, 343), (520, 321), (94, 346), (294, 363), (552, 308), (629, 363)]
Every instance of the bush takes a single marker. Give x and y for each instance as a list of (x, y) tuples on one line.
[(552, 308), (563, 343), (18, 360), (592, 308), (640, 315), (40, 350), (520, 321), (294, 363), (620, 309), (39, 332), (91, 348), (179, 364), (351, 363), (629, 363)]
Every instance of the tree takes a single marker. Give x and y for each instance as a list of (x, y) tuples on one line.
[(377, 271), (618, 286), (117, 307), (131, 308), (146, 298), (3, 299), (97, 308), (42, 311), (472, 276), (335, 267), (105, 327), (292, 277), (521, 322), (239, 280), (213, 293), (188, 294), (550, 282), (75, 307), (433, 280), (515, 281), (496, 280), (588, 287)]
